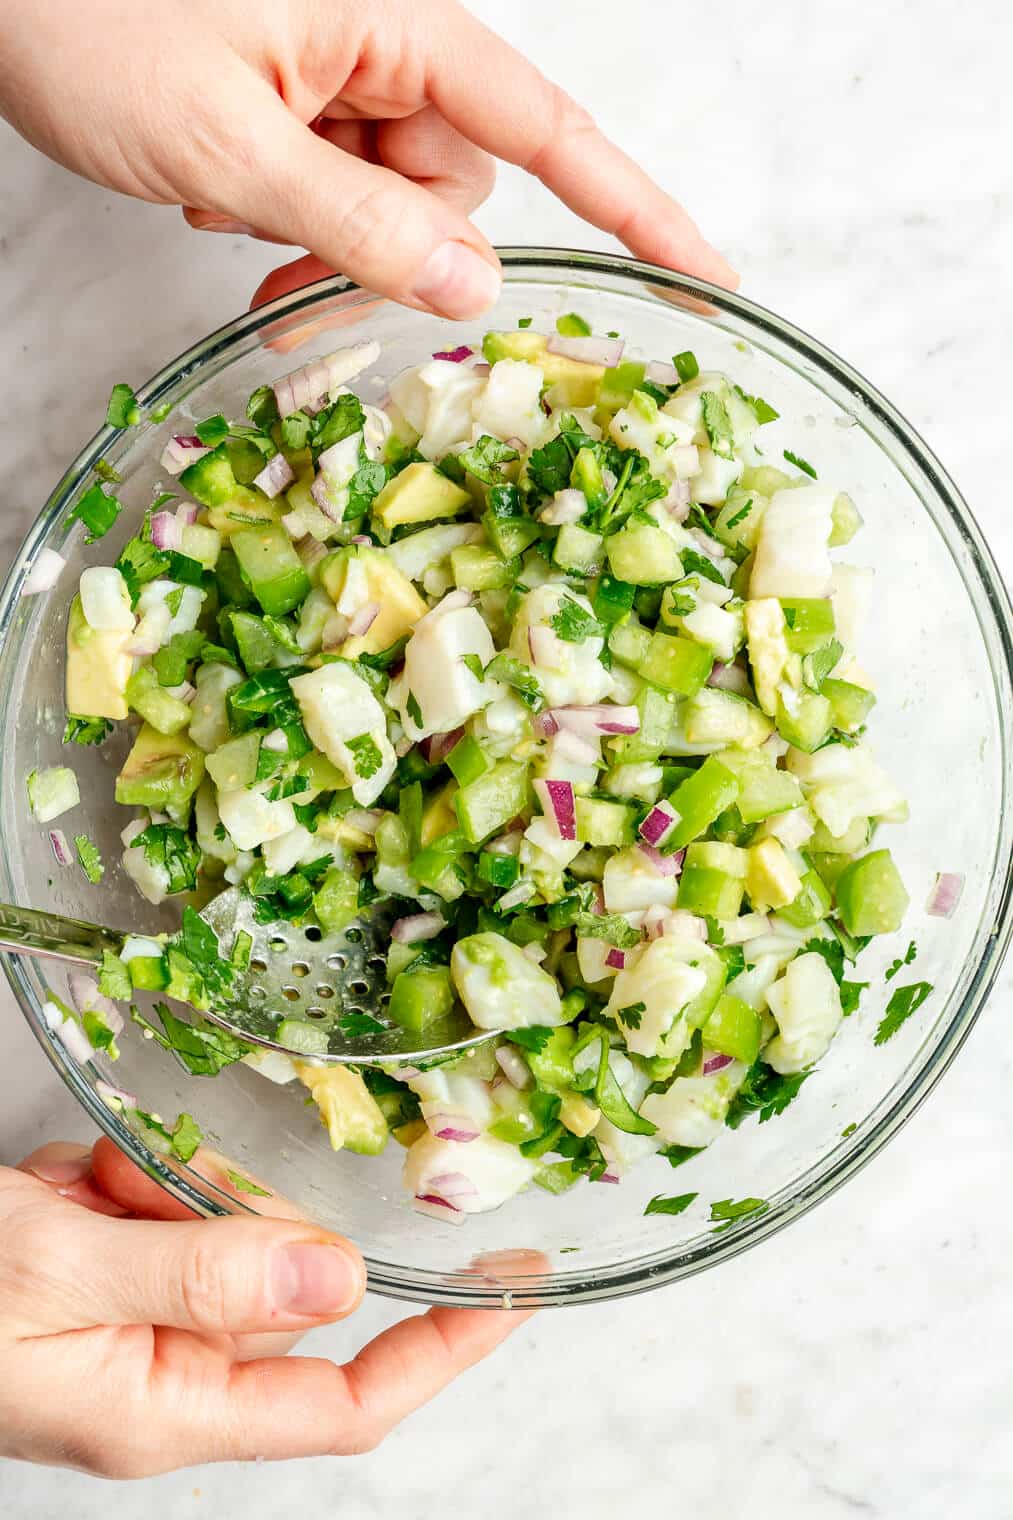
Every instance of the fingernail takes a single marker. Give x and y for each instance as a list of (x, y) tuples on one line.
[(240, 229), (63, 1172), (315, 1280), (457, 282)]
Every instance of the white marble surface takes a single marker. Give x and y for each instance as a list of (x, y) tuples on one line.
[(855, 163)]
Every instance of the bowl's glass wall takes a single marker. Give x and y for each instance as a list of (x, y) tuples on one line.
[(936, 640)]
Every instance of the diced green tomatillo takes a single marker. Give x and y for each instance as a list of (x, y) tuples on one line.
[(630, 642), (676, 664), (212, 481), (336, 900), (486, 804), (644, 556), (808, 723), (846, 520), (510, 536), (618, 384), (602, 823), (468, 760), (850, 705), (733, 1029), (586, 476), (811, 905), (148, 973), (810, 623), (612, 602), (498, 870), (299, 1034), (710, 893), (257, 647), (578, 549), (552, 1066), (871, 898), (272, 567), (154, 704), (699, 800), (476, 567)]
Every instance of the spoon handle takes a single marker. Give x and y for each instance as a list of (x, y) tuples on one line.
[(28, 931)]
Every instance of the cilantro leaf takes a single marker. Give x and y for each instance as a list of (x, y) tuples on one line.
[(212, 431), (694, 563), (698, 516), (632, 1014), (903, 1003), (114, 978), (170, 848), (608, 926), (573, 623), (473, 663), (199, 944), (122, 410), (139, 563), (91, 860), (763, 409), (765, 1090), (295, 431), (413, 709), (355, 1024), (818, 665), (659, 1204), (635, 489), (366, 752), (678, 1155), (262, 408), (186, 1137), (203, 1049), (730, 1211), (485, 459), (336, 422), (98, 511), (740, 515), (900, 963), (533, 1037), (832, 952), (83, 730), (244, 1185), (364, 486), (851, 995), (717, 424), (800, 464), (504, 667)]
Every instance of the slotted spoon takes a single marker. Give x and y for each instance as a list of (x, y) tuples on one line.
[(331, 983)]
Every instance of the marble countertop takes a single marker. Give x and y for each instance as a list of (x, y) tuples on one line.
[(855, 164)]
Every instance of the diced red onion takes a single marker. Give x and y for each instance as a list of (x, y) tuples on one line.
[(417, 927), (362, 621), (166, 531), (535, 952), (114, 1095), (609, 1177), (322, 498), (513, 1066), (307, 384), (616, 959), (707, 545), (438, 1208), (366, 820), (455, 355), (565, 507), (187, 513), (451, 1185), (61, 849), (74, 1040), (452, 1127), (661, 374), (653, 924), (184, 692), (729, 678), (182, 450), (659, 822), (44, 574), (575, 748), (276, 476), (945, 895), (437, 747), (606, 351), (481, 368), (85, 994), (714, 1062), (559, 804), (518, 893), (600, 718), (360, 538), (311, 408), (598, 900), (676, 500), (665, 865), (542, 645), (335, 631)]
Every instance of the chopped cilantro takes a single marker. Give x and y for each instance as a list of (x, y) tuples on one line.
[(139, 563), (199, 944), (413, 709), (763, 409), (122, 410), (91, 860), (832, 953), (366, 751), (174, 600), (573, 623), (244, 1185), (98, 511), (800, 464), (336, 422), (632, 1014), (353, 1025), (678, 1155), (485, 459), (730, 1211), (766, 1090), (364, 486), (524, 321), (698, 564), (82, 730), (659, 1204), (717, 424), (99, 1033), (686, 366), (105, 471), (698, 516), (172, 850), (114, 978), (818, 665), (851, 996), (474, 664), (295, 431), (190, 572), (848, 1130), (519, 676), (186, 1137), (533, 1037), (903, 1003), (611, 927), (203, 1049), (740, 515), (899, 963), (262, 408), (241, 948), (212, 431)]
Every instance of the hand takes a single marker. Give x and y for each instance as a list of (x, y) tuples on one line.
[(130, 1346), (361, 132)]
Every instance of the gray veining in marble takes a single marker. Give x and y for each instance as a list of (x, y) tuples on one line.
[(855, 163)]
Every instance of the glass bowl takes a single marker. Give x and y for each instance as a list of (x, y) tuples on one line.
[(938, 644)]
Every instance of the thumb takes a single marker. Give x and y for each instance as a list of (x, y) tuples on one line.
[(212, 1276), (379, 229)]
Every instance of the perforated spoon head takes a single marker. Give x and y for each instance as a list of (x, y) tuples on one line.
[(334, 984)]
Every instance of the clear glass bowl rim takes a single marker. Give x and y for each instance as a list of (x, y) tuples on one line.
[(992, 600)]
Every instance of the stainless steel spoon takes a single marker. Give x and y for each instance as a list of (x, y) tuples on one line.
[(327, 981)]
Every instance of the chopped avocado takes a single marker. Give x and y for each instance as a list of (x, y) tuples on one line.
[(161, 771), (98, 668), (514, 345), (419, 494), (348, 1110), (771, 879), (400, 604)]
